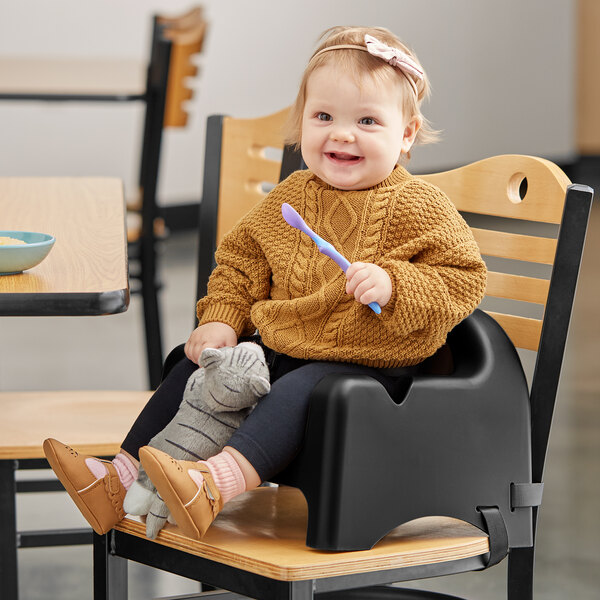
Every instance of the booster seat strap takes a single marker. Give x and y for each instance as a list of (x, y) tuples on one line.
[(523, 495), (496, 529)]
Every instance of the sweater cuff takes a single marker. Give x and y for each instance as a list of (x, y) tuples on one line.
[(224, 313), (396, 274)]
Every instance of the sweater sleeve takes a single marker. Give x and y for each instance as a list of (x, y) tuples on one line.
[(241, 278), (438, 275)]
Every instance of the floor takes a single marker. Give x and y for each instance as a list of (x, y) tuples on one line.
[(107, 352)]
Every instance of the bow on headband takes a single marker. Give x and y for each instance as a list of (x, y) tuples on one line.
[(393, 56)]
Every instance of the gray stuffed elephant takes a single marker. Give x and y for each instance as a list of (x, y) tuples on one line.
[(217, 398)]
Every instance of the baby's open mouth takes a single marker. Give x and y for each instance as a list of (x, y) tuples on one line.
[(343, 157)]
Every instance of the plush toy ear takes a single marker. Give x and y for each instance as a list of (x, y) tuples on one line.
[(260, 385), (211, 357)]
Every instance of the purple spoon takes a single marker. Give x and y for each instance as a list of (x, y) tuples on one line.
[(295, 220)]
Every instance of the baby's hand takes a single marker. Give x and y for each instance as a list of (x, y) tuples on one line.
[(368, 283), (209, 335)]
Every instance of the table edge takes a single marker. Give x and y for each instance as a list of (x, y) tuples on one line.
[(64, 305)]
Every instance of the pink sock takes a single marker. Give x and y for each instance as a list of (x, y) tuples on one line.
[(226, 473), (126, 470)]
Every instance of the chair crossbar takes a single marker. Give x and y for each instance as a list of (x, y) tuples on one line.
[(515, 246)]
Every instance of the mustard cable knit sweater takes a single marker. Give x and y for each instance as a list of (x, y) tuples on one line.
[(272, 277)]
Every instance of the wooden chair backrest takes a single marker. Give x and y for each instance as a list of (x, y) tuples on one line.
[(186, 34), (242, 161), (248, 168), (188, 20), (516, 194), (513, 203)]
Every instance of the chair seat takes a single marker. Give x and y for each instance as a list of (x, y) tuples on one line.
[(264, 531), (94, 422)]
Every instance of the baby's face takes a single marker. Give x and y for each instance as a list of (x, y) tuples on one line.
[(352, 136)]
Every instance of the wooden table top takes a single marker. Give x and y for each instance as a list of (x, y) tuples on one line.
[(86, 270), (51, 78)]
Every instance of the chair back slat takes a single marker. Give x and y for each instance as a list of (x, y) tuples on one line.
[(525, 192), (512, 186), (515, 246), (517, 287), (524, 332), (246, 165)]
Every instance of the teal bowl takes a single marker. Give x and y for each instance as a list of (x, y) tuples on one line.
[(15, 258)]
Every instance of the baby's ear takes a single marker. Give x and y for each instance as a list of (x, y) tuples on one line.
[(260, 385), (211, 357)]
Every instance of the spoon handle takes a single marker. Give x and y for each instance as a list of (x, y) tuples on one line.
[(293, 219)]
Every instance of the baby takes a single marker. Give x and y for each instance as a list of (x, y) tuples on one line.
[(356, 118)]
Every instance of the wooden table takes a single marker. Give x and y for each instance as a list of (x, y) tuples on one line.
[(84, 274), (115, 81), (86, 270), (63, 79)]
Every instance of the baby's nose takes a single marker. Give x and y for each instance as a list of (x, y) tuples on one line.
[(342, 134)]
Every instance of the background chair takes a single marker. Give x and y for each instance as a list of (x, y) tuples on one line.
[(471, 438), (175, 41)]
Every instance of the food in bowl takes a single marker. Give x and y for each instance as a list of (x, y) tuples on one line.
[(10, 241)]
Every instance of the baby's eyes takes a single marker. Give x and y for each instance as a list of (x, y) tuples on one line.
[(323, 116)]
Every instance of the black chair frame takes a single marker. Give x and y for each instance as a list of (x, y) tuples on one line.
[(492, 480)]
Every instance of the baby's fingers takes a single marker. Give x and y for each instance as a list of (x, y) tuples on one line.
[(355, 275), (365, 292), (353, 269)]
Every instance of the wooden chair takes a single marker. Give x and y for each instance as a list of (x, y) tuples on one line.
[(256, 547), (175, 41)]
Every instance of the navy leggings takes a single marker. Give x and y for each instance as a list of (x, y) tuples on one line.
[(273, 432)]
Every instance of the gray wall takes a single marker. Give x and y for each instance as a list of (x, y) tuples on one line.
[(502, 74)]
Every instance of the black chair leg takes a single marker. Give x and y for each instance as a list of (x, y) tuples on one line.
[(110, 572), (151, 144), (153, 338), (520, 573), (151, 309), (9, 580)]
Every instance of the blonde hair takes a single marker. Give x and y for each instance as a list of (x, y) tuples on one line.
[(358, 64)]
